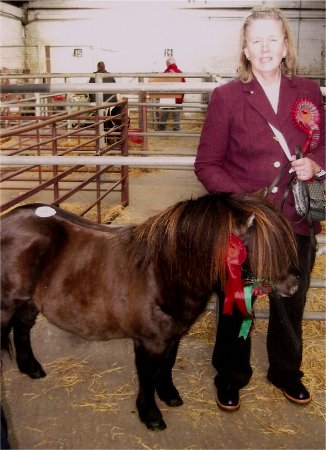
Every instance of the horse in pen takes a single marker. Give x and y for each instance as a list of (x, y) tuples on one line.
[(148, 282)]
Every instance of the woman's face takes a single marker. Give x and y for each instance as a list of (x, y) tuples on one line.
[(265, 46)]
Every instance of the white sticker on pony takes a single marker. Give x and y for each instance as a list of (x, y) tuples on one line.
[(45, 211)]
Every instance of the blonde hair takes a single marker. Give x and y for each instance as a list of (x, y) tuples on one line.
[(288, 64)]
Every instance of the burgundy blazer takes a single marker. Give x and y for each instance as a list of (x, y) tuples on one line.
[(238, 151)]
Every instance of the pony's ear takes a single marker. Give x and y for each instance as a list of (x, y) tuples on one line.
[(250, 221), (262, 192), (242, 230)]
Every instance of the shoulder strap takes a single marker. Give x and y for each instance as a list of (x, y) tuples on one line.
[(276, 180), (281, 140)]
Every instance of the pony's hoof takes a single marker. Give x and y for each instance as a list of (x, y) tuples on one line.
[(33, 371), (174, 401), (157, 425), (38, 373)]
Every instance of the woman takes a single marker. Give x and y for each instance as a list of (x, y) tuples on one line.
[(239, 152)]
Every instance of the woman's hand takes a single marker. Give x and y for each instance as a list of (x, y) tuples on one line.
[(305, 168)]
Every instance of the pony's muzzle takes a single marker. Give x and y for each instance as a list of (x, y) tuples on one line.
[(288, 286)]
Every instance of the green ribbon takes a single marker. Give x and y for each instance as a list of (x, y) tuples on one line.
[(247, 321)]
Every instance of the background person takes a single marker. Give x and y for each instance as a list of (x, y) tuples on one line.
[(107, 97), (171, 67), (239, 153)]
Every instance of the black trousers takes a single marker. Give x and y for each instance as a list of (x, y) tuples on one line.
[(231, 355)]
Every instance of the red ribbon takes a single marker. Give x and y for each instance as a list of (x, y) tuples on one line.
[(306, 118), (234, 291)]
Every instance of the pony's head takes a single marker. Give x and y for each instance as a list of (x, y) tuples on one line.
[(190, 239), (269, 240)]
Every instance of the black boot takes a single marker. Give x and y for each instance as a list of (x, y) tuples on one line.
[(227, 397), (296, 392)]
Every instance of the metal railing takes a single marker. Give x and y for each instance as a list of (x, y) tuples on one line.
[(94, 134)]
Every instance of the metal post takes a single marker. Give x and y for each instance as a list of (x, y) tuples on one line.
[(55, 167), (124, 153), (143, 125)]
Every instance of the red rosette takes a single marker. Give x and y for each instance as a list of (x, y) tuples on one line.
[(306, 117)]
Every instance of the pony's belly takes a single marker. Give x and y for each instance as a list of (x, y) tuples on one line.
[(93, 320), (87, 329)]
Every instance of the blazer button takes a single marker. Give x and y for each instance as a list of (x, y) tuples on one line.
[(277, 164), (274, 190)]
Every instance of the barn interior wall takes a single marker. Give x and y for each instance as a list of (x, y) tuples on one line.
[(12, 40), (132, 36)]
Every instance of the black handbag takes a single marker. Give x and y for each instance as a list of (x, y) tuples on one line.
[(309, 196)]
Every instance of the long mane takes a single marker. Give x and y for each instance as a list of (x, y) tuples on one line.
[(270, 242), (190, 239)]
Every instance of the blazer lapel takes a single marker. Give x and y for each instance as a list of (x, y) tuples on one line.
[(258, 100), (288, 96)]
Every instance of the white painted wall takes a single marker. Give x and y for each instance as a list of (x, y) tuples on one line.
[(12, 55), (130, 36)]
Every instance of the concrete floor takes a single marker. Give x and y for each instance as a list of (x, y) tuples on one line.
[(87, 401)]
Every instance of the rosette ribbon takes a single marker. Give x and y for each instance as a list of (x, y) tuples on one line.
[(306, 117), (235, 293), (239, 292)]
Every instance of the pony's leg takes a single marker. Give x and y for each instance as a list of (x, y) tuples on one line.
[(6, 346), (23, 321), (5, 340), (164, 384), (147, 368), (7, 312)]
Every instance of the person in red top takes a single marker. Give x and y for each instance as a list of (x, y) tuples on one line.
[(171, 67)]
